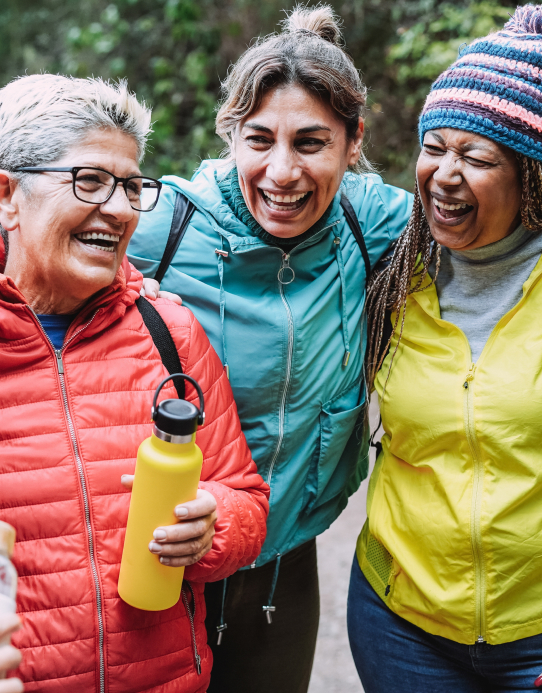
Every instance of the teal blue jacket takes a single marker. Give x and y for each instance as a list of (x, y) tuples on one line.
[(282, 324)]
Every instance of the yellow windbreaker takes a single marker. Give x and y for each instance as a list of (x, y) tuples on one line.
[(453, 540)]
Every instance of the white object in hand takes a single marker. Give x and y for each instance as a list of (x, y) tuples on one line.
[(8, 576)]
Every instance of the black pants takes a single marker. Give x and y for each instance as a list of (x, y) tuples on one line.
[(260, 657)]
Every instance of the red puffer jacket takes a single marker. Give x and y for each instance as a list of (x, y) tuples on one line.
[(65, 440)]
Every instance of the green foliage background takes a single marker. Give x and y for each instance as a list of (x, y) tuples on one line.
[(175, 52)]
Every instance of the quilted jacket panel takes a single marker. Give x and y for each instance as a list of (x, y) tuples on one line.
[(111, 369)]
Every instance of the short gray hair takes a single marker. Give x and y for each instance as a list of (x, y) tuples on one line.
[(43, 116)]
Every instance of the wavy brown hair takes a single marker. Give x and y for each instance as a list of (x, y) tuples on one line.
[(309, 52)]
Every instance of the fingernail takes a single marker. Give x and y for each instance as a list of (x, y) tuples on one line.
[(159, 534), (164, 560), (124, 476), (180, 511), (154, 547)]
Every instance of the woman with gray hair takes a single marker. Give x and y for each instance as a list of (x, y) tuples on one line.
[(79, 368), (274, 262)]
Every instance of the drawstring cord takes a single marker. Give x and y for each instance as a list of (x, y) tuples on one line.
[(270, 608), (221, 254), (222, 625), (344, 320)]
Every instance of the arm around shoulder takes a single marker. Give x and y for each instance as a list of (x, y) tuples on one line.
[(383, 212)]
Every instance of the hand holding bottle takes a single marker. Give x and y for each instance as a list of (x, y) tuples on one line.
[(188, 541), (10, 658)]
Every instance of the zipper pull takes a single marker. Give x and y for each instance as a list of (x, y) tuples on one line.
[(220, 630), (480, 640), (268, 610), (285, 267), (470, 376), (59, 363), (198, 664)]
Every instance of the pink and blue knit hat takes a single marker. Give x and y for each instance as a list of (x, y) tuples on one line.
[(495, 87)]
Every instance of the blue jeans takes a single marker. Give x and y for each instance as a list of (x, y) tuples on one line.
[(391, 654)]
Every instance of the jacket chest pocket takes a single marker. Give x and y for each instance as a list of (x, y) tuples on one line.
[(341, 458)]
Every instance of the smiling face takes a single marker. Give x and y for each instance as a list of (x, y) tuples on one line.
[(63, 250), (470, 188), (291, 155)]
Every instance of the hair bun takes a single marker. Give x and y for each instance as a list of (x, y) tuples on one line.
[(320, 20), (526, 20)]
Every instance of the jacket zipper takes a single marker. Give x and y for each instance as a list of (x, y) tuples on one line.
[(71, 427), (476, 532), (285, 265), (191, 616)]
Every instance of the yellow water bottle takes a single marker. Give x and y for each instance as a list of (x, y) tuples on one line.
[(167, 473)]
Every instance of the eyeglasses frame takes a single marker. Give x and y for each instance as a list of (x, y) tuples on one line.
[(74, 170)]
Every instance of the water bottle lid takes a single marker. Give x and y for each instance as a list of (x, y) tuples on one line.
[(7, 538), (176, 417)]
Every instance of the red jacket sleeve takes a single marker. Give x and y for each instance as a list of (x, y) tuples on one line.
[(229, 472)]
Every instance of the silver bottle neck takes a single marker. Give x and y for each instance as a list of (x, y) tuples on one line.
[(168, 438)]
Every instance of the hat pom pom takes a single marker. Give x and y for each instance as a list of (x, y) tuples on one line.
[(526, 20)]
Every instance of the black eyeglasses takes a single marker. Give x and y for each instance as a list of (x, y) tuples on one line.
[(96, 185)]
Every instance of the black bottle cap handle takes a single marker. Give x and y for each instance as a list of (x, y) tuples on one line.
[(201, 415)]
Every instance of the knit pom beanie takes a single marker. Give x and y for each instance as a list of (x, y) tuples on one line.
[(495, 87)]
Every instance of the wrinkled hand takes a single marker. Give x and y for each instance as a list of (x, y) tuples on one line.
[(151, 290), (10, 658), (191, 538)]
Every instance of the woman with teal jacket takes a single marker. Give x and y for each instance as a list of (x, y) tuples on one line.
[(272, 269)]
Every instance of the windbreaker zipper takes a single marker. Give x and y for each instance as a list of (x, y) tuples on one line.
[(71, 427), (476, 503), (285, 265), (191, 617), (468, 415)]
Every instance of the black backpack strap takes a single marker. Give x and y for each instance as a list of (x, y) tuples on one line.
[(353, 223), (163, 341), (182, 214)]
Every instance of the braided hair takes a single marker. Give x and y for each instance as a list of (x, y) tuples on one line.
[(412, 256)]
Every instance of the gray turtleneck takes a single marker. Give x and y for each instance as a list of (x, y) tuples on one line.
[(477, 287)]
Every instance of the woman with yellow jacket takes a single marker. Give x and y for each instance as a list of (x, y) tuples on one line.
[(446, 589)]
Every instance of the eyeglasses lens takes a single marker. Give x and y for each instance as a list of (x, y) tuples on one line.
[(148, 193), (95, 186)]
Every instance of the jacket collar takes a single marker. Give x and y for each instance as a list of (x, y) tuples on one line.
[(427, 298), (204, 192), (106, 305)]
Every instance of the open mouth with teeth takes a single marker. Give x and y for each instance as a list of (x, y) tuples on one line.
[(285, 203), (99, 241), (453, 210)]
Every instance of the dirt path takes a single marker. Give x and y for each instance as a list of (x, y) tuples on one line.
[(334, 670)]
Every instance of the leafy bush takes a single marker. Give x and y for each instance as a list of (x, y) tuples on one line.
[(175, 52)]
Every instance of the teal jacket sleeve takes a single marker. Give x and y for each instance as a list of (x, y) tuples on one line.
[(383, 212), (149, 240)]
